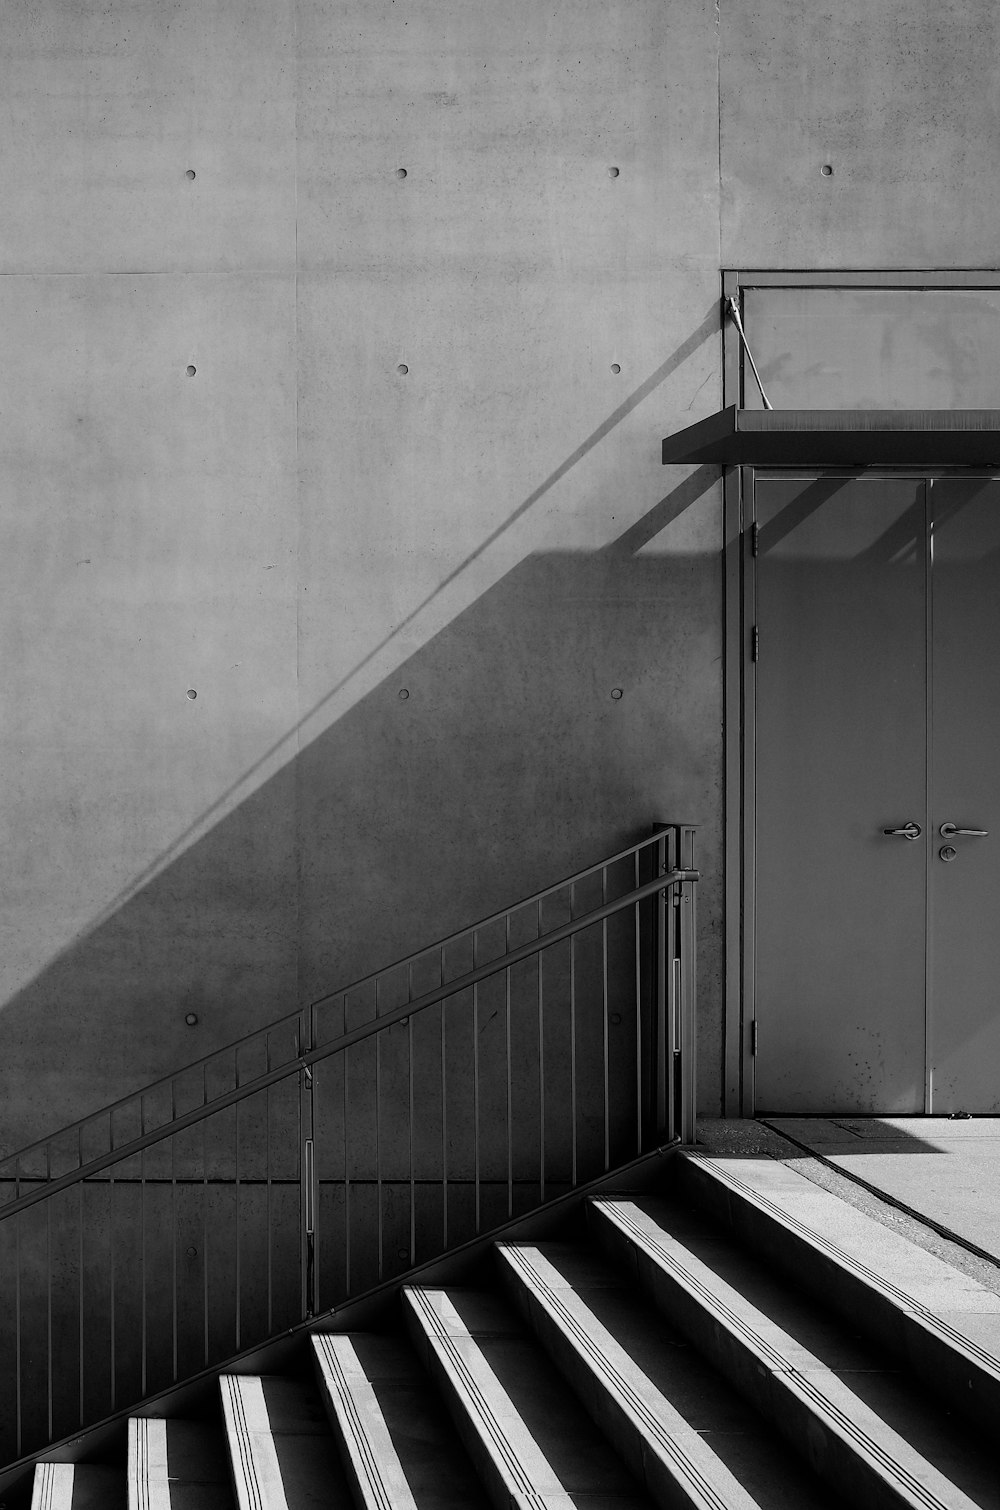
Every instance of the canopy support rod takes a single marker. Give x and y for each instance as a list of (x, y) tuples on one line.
[(732, 307)]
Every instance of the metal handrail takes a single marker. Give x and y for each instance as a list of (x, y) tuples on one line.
[(291, 1019), (345, 1041), (298, 1188)]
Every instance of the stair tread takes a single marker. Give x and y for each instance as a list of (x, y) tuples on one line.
[(402, 1449), (76, 1486), (909, 1276), (521, 1420), (862, 1399), (703, 1434), (176, 1465), (940, 1322), (282, 1452)]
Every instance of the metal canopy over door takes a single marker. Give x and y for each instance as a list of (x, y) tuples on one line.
[(877, 955)]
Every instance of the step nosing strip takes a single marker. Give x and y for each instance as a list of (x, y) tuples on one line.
[(241, 1431), (46, 1486), (821, 1404), (355, 1424), (139, 1440), (633, 1401), (701, 1292), (907, 1303), (883, 1458), (495, 1431)]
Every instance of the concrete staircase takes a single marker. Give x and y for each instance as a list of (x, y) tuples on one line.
[(742, 1338)]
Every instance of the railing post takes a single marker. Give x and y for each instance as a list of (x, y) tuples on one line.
[(663, 1034), (307, 1171), (687, 1010)]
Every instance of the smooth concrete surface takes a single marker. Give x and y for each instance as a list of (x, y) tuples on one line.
[(897, 99), (109, 107), (511, 202), (944, 1171), (298, 532)]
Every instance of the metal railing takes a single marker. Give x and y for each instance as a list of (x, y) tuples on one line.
[(379, 1127)]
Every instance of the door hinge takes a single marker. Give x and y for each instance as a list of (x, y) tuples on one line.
[(754, 539), (755, 643), (753, 1038)]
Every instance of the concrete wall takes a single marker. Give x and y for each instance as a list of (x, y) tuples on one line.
[(298, 532)]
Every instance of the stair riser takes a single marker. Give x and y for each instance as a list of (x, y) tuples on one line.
[(774, 1393), (955, 1378)]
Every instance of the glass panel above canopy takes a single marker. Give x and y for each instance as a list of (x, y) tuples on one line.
[(874, 348)]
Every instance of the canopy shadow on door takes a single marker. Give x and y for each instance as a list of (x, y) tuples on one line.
[(876, 951)]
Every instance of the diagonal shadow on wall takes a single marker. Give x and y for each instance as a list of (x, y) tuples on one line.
[(507, 764)]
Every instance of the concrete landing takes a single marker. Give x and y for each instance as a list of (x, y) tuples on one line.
[(934, 1179)]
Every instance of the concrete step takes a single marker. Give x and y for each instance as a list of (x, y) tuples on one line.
[(669, 1361), (939, 1322), (282, 1453), (396, 1440), (682, 1431), (862, 1426), (77, 1486), (176, 1465), (531, 1442)]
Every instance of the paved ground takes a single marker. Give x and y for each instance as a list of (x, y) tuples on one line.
[(935, 1180)]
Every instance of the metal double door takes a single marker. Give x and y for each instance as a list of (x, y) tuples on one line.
[(876, 793)]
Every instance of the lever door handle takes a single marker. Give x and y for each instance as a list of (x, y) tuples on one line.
[(949, 830), (908, 831)]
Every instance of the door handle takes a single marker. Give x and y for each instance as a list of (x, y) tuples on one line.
[(949, 830), (908, 831)]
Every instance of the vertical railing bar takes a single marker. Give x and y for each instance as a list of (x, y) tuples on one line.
[(687, 948), (572, 1040), (236, 1226), (174, 1345), (315, 1101), (269, 1261), (604, 994), (80, 1270), (49, 1350), (443, 1031), (300, 1083), (112, 1255), (540, 989), (510, 1091), (413, 1187), (670, 1049), (142, 1269), (637, 967), (346, 1178), (48, 1282), (378, 1138), (475, 1079), (204, 1235), (17, 1315), (347, 1165)]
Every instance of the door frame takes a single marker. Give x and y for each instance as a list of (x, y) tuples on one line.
[(739, 693)]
